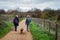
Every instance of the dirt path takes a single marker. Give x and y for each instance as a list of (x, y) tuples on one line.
[(12, 35)]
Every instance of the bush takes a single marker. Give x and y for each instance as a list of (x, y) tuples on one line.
[(3, 25)]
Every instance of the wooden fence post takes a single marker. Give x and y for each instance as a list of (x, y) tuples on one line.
[(56, 38)]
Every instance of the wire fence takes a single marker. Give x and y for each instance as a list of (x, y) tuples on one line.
[(50, 26)]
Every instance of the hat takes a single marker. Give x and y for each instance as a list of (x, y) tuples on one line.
[(16, 15), (28, 15)]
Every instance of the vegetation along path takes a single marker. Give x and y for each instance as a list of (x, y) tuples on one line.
[(12, 35)]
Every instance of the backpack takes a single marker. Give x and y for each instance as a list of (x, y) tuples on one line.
[(28, 20), (15, 20)]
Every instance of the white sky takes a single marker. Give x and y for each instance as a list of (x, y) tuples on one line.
[(28, 4)]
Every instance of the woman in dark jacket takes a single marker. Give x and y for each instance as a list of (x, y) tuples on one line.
[(16, 22)]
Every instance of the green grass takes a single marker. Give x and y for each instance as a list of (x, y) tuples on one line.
[(5, 30), (38, 34)]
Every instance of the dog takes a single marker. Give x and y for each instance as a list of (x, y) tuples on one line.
[(21, 30)]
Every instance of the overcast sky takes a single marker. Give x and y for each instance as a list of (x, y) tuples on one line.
[(28, 4)]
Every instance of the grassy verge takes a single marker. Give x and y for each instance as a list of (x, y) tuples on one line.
[(38, 34), (5, 30)]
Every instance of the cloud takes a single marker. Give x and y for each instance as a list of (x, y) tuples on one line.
[(28, 4)]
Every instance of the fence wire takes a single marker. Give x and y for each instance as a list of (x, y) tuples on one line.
[(50, 26)]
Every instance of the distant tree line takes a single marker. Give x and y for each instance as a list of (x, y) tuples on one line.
[(46, 13)]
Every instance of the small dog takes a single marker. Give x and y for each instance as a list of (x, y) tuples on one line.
[(21, 30)]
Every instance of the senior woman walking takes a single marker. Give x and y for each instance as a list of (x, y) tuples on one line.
[(27, 22), (16, 22)]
